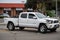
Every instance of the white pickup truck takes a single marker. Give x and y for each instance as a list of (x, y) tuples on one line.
[(32, 20)]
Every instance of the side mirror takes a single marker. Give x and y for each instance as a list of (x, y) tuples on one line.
[(34, 17)]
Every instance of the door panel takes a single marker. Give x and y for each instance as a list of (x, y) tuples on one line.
[(23, 20), (32, 22)]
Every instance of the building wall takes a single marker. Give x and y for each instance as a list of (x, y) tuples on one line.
[(1, 10), (12, 4)]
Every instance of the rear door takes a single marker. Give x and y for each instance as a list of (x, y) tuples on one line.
[(23, 19)]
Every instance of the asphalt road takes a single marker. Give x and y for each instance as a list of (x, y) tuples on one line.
[(27, 34)]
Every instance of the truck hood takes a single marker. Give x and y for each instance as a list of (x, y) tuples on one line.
[(50, 19)]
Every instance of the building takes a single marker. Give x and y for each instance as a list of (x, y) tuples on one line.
[(12, 7)]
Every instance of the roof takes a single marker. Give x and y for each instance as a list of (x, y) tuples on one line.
[(11, 5), (13, 1)]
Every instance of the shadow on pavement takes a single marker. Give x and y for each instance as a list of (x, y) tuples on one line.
[(26, 30), (33, 31)]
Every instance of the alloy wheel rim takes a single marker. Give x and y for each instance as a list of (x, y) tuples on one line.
[(42, 28), (10, 26)]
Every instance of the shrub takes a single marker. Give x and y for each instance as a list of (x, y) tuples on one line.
[(1, 16), (50, 13)]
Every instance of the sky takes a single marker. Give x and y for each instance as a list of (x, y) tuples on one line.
[(13, 1)]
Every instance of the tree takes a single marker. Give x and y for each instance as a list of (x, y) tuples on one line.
[(40, 4), (31, 4)]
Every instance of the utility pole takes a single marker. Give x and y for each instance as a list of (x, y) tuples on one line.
[(56, 9)]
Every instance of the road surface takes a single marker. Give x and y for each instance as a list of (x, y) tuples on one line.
[(27, 34)]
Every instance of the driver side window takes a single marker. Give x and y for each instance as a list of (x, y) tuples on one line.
[(31, 16)]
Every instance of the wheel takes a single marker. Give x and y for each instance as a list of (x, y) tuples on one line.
[(21, 28), (53, 30), (10, 26), (42, 29)]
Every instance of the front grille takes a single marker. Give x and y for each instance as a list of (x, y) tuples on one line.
[(56, 21)]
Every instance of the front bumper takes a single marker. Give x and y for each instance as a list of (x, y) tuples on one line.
[(52, 26)]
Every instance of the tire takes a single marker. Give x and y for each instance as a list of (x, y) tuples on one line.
[(42, 28), (21, 28), (11, 26), (53, 30)]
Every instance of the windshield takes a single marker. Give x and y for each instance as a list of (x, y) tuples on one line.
[(40, 15)]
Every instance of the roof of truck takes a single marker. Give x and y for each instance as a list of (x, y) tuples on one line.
[(30, 12)]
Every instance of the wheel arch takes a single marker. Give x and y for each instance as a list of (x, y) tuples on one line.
[(42, 24)]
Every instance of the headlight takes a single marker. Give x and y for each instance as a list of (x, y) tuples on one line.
[(49, 21)]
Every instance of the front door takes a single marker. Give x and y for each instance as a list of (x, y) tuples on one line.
[(32, 20)]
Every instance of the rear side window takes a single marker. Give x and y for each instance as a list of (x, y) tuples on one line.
[(24, 16)]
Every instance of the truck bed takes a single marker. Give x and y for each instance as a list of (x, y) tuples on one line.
[(13, 20)]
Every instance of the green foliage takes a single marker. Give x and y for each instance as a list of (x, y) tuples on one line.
[(50, 13), (1, 16), (31, 4)]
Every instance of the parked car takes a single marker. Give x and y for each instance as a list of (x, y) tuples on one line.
[(32, 20), (4, 15)]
